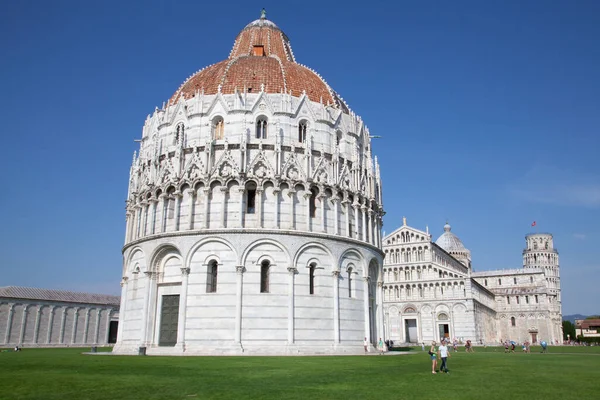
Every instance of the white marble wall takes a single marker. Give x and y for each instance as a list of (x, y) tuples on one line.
[(32, 323)]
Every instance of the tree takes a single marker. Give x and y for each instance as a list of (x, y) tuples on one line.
[(568, 329)]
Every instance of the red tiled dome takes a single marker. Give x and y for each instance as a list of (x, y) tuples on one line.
[(261, 55)]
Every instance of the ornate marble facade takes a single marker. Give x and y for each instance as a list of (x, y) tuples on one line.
[(431, 291), (253, 214)]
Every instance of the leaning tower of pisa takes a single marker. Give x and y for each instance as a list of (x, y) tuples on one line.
[(254, 213), (541, 254)]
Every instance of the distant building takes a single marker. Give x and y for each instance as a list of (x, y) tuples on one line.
[(431, 291), (33, 317), (587, 328)]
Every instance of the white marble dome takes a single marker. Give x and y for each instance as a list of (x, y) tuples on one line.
[(254, 214), (449, 241)]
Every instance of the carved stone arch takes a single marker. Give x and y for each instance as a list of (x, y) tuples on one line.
[(198, 245), (136, 256), (394, 310), (409, 309), (161, 254), (354, 256), (258, 242), (304, 248)]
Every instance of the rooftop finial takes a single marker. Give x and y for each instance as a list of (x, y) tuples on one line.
[(263, 14), (404, 221)]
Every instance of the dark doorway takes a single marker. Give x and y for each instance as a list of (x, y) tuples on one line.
[(112, 332), (169, 317), (411, 330), (444, 331)]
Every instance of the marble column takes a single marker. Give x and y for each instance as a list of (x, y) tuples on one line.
[(185, 273), (50, 323), (122, 310), (164, 201), (346, 205), (366, 308), (223, 220), (176, 224), (153, 202), (336, 307), (9, 319), (144, 228), (86, 327), (74, 330), (276, 192), (291, 273), (128, 225), (371, 233), (336, 215), (190, 201), (355, 206), (363, 210), (206, 207), (146, 307), (323, 199), (241, 192), (292, 194), (239, 270), (107, 331), (307, 196), (36, 327), (23, 323), (259, 208), (379, 310), (97, 330)]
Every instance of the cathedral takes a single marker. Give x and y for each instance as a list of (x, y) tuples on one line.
[(254, 213), (431, 292)]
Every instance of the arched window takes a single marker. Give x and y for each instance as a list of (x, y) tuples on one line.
[(499, 281), (531, 279), (515, 280), (350, 282), (485, 282), (507, 299), (218, 128), (535, 245), (211, 277), (311, 278), (513, 322), (265, 266), (338, 138), (397, 292), (302, 131), (261, 128)]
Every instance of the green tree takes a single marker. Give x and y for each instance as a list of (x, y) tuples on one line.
[(568, 329)]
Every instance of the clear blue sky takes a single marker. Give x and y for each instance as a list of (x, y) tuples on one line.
[(489, 114)]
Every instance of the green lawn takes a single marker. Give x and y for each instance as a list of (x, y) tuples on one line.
[(487, 374)]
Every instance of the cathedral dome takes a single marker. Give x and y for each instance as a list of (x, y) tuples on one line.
[(261, 60), (450, 242)]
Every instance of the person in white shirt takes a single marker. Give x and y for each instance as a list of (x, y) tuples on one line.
[(366, 344), (444, 354)]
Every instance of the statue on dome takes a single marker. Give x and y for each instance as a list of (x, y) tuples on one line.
[(263, 14)]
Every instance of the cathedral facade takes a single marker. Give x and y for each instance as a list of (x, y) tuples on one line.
[(254, 214), (430, 291)]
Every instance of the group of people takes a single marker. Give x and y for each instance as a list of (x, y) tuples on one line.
[(441, 352)]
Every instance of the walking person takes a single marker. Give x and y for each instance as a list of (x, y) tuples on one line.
[(432, 354), (381, 346), (444, 354), (366, 345)]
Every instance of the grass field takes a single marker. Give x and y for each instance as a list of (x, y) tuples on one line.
[(563, 373)]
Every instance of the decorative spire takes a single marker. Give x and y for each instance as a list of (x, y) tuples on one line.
[(263, 14)]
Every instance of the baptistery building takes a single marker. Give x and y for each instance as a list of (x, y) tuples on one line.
[(431, 291), (254, 214)]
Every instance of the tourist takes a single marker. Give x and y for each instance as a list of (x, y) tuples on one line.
[(444, 354), (381, 346), (423, 346), (455, 345), (506, 346), (366, 345), (432, 354), (544, 346)]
